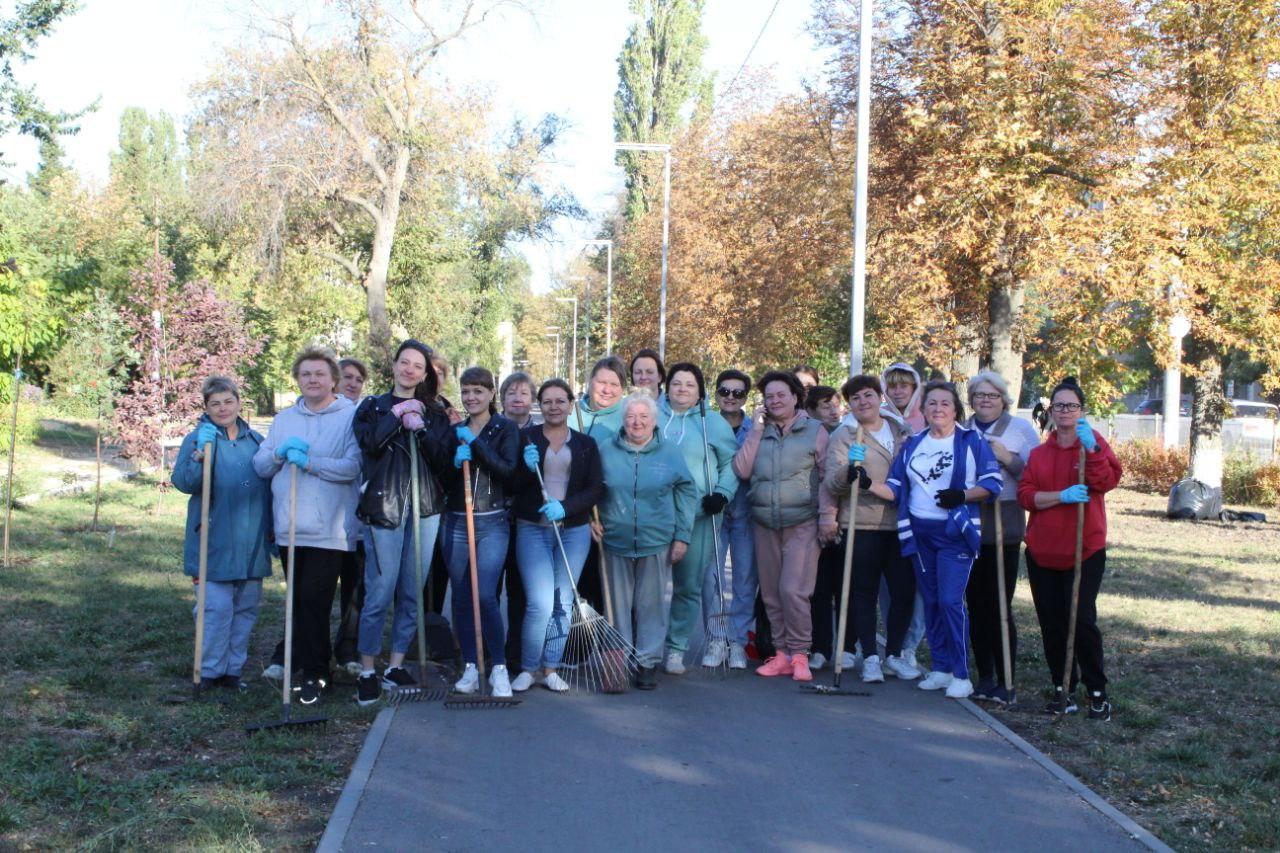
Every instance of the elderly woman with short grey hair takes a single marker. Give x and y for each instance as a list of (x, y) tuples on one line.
[(1011, 439), (646, 521), (239, 529)]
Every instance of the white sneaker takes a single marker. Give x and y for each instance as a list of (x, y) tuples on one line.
[(716, 654), (959, 688), (523, 682), (871, 671), (817, 661), (555, 683), (848, 660), (737, 657), (470, 680), (675, 663), (910, 658), (900, 668), (500, 682), (936, 681), (275, 672)]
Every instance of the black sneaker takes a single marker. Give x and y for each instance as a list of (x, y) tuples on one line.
[(396, 677), (1061, 704), (647, 678), (368, 690), (1001, 696), (207, 684), (233, 684), (309, 693), (1099, 707), (984, 688)]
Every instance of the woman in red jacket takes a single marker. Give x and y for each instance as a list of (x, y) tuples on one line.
[(1049, 490)]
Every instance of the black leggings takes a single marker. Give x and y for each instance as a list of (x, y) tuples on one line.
[(824, 604), (983, 597), (876, 555), (315, 579), (1051, 590)]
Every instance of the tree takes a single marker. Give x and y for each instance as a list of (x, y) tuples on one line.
[(20, 107), (179, 337), (660, 77)]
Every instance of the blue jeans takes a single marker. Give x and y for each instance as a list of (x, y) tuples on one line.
[(492, 535), (548, 594), (389, 576), (230, 609), (943, 564), (735, 539), (915, 631)]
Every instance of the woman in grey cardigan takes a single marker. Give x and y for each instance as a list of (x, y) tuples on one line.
[(1011, 439)]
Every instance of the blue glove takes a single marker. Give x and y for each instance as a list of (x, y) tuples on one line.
[(857, 453), (553, 510), (206, 433), (298, 457), (291, 443), (532, 457), (462, 454), (1084, 432), (465, 435), (1074, 495)]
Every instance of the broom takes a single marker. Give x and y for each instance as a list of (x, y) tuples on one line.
[(605, 658)]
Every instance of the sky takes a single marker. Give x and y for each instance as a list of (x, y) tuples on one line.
[(562, 59)]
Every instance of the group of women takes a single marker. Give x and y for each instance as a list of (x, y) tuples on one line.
[(643, 485)]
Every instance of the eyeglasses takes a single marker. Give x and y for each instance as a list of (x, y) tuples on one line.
[(985, 395), (1066, 407), (734, 393)]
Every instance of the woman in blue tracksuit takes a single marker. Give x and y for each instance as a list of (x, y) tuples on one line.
[(937, 479), (240, 530)]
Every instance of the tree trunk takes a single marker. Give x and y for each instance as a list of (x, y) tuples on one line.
[(1207, 408), (97, 488), (384, 233), (1004, 308), (965, 358)]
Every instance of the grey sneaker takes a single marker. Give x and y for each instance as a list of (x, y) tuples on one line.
[(675, 663), (737, 657)]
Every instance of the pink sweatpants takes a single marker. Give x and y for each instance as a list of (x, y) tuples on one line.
[(787, 563)]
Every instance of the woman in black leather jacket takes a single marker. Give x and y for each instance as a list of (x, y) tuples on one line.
[(385, 428), (491, 443)]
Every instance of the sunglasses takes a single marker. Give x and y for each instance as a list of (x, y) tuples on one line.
[(733, 393)]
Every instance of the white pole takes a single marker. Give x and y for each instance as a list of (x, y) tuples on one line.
[(608, 300), (858, 295), (573, 369), (1178, 328), (666, 225)]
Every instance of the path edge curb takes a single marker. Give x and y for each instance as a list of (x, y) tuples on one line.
[(335, 831), (1130, 826)]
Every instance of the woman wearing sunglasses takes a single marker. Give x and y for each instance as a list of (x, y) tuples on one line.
[(732, 388), (1049, 490)]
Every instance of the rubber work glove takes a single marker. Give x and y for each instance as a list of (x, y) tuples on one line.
[(1076, 494), (553, 510), (531, 457), (950, 498), (412, 421), (298, 457), (1084, 432), (714, 503), (291, 443), (465, 435), (857, 453), (206, 433), (405, 406), (462, 454)]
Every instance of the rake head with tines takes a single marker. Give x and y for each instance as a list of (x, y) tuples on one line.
[(473, 701), (597, 658), (423, 691)]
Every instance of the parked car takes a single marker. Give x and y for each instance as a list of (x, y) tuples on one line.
[(1155, 406), (1255, 409)]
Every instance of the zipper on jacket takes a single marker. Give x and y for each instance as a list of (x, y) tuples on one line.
[(635, 501)]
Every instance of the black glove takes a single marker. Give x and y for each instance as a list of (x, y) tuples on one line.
[(950, 498), (714, 503), (860, 474)]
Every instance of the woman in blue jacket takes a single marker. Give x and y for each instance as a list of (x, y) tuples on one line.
[(239, 530)]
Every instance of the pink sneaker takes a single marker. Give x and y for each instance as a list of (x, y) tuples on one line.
[(800, 668), (779, 664)]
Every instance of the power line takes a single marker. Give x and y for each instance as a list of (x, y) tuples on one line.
[(752, 49)]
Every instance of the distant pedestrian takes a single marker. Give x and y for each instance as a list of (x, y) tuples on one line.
[(240, 530), (1050, 491), (647, 519)]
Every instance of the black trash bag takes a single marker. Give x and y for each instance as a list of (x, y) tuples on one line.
[(1242, 515), (1192, 500)]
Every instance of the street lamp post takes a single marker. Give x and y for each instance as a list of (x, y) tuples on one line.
[(554, 332), (608, 297), (858, 286), (573, 365), (666, 227)]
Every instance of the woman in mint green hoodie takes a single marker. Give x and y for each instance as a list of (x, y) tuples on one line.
[(685, 421), (647, 518), (598, 414)]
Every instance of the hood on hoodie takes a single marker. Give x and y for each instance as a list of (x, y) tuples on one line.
[(670, 430), (340, 402), (912, 412)]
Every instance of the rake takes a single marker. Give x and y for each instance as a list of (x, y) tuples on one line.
[(604, 661), (715, 624), (421, 692)]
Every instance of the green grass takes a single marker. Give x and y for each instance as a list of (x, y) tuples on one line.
[(95, 634), (1190, 617)]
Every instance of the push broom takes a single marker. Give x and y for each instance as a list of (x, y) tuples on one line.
[(286, 720)]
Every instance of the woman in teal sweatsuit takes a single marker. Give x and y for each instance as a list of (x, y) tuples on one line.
[(682, 421), (240, 530)]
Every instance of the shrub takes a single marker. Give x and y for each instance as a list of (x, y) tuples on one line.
[(1149, 466), (1249, 481), (28, 423)]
